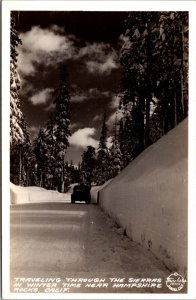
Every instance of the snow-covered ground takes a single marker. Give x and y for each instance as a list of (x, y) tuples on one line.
[(148, 199), (33, 194), (61, 240), (95, 190)]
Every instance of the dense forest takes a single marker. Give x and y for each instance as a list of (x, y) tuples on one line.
[(153, 100)]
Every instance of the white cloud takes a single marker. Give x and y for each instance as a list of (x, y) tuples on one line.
[(51, 46), (48, 46), (106, 93), (57, 28), (109, 141), (102, 58), (50, 107), (83, 138), (34, 131), (26, 86), (33, 128), (97, 118), (101, 67), (112, 118), (25, 62), (74, 125), (47, 40), (96, 50), (93, 93), (41, 97), (96, 92), (115, 101), (124, 40), (78, 98)]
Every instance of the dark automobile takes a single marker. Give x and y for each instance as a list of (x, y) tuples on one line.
[(81, 193)]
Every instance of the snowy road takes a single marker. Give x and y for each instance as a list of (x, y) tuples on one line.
[(66, 240)]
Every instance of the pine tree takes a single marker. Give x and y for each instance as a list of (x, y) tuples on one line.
[(22, 160), (61, 122), (53, 172), (88, 165), (115, 155), (154, 61), (128, 139), (50, 139), (20, 147), (139, 72), (27, 159), (42, 155), (102, 171), (73, 173), (16, 116), (172, 86), (79, 172), (115, 158)]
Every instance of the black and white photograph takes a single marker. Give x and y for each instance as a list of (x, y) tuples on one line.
[(98, 152)]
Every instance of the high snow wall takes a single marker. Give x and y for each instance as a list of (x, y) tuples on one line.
[(33, 194), (149, 198)]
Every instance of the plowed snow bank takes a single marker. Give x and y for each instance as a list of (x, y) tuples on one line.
[(32, 194), (149, 198)]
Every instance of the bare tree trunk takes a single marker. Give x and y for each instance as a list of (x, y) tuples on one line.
[(184, 74), (27, 178), (41, 180), (62, 178), (141, 124), (182, 91), (20, 165), (147, 126), (175, 110)]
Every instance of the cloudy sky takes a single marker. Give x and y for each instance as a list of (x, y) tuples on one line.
[(88, 44)]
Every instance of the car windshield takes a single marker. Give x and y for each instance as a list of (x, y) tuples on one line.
[(80, 188)]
